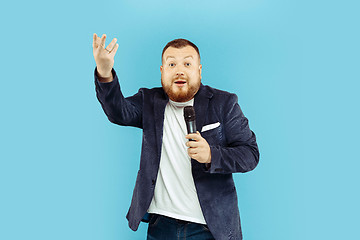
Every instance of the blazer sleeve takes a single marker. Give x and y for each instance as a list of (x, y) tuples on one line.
[(119, 110), (241, 153)]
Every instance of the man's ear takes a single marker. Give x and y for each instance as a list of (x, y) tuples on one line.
[(161, 68), (200, 68)]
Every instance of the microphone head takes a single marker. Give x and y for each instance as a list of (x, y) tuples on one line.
[(189, 113)]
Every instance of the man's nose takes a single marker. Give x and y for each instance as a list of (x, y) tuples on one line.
[(179, 74)]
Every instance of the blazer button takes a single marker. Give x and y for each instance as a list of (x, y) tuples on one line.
[(153, 182)]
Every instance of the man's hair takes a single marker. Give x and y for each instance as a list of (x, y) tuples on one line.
[(179, 43)]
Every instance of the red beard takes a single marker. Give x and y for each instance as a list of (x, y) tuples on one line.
[(181, 95)]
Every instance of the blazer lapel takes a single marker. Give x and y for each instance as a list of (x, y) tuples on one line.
[(201, 102), (160, 101)]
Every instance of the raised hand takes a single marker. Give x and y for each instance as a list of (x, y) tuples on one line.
[(104, 56)]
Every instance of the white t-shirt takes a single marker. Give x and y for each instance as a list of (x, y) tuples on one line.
[(175, 193)]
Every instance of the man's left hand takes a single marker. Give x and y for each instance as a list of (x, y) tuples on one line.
[(199, 149)]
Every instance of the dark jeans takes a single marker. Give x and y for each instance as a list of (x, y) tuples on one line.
[(166, 228)]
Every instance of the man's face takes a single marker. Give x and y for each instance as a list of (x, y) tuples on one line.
[(181, 73)]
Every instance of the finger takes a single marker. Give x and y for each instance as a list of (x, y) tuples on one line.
[(94, 40), (98, 40), (194, 156), (111, 45), (102, 41), (192, 144), (193, 136), (192, 151), (113, 52)]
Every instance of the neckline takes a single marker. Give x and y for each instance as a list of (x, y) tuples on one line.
[(182, 104)]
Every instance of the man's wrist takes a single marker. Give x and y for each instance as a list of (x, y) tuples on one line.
[(104, 77)]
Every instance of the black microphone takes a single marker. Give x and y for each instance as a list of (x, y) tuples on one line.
[(189, 116), (190, 119)]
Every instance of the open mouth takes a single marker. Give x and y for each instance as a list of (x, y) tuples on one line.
[(180, 82)]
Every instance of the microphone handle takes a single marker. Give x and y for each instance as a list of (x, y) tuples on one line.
[(191, 127)]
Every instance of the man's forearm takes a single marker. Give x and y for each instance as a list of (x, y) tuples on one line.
[(119, 110)]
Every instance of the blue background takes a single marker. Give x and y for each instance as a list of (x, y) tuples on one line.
[(66, 172)]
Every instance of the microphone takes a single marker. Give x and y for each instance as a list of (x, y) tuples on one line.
[(189, 116)]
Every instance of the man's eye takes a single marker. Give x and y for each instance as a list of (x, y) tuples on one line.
[(171, 64), (187, 64)]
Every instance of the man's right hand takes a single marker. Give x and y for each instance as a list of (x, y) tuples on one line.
[(104, 57)]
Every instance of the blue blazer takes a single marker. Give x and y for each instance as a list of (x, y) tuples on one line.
[(233, 149)]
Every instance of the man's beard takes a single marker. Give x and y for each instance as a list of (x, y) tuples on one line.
[(181, 95)]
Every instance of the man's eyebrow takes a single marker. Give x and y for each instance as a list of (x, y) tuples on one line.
[(174, 57)]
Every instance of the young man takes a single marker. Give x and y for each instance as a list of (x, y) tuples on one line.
[(184, 189)]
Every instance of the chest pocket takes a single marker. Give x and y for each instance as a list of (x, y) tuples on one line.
[(213, 133)]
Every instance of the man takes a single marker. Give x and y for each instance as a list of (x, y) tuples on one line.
[(184, 189)]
